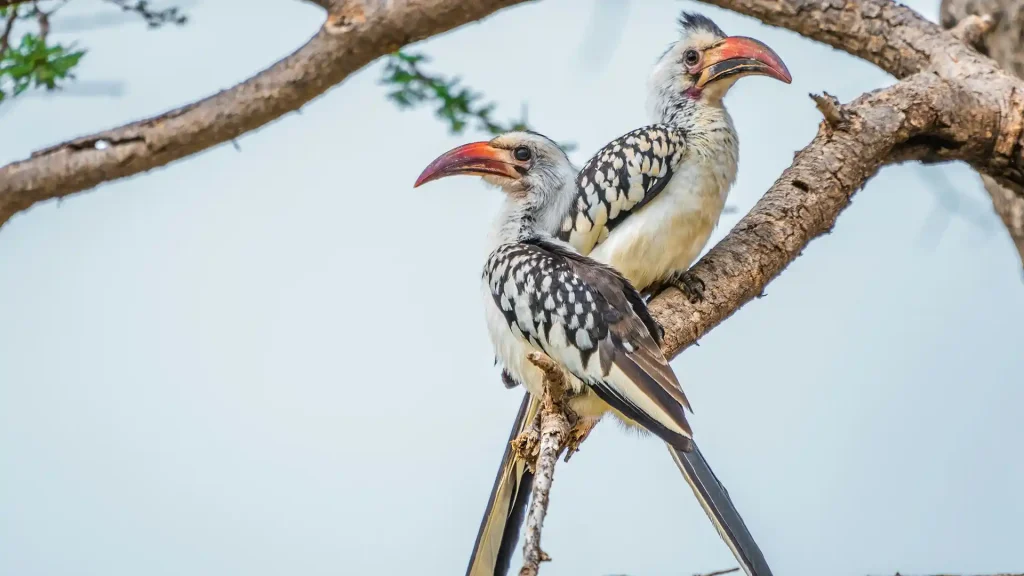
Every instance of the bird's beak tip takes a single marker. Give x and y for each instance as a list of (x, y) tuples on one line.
[(423, 179)]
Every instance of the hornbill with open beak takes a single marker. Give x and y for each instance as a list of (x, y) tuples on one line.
[(646, 204)]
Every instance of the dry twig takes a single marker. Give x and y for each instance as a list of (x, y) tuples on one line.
[(720, 572), (353, 35), (554, 432)]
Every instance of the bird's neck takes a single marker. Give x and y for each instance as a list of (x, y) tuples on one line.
[(517, 221), (685, 113), (707, 127)]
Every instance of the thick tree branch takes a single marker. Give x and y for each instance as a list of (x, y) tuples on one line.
[(881, 128), (889, 35), (1003, 42), (954, 104), (352, 36), (903, 43)]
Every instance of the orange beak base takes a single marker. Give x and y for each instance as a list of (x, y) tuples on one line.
[(739, 55), (475, 159)]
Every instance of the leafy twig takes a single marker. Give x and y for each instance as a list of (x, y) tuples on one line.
[(31, 61), (5, 38), (458, 106), (154, 18)]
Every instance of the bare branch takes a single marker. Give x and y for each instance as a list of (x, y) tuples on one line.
[(972, 30), (554, 431), (720, 572), (902, 42), (5, 35), (805, 202), (889, 35), (352, 37), (828, 105), (1001, 41)]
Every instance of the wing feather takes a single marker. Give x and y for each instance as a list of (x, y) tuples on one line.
[(641, 398), (600, 313), (620, 179)]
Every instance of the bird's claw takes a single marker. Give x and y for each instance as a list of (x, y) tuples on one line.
[(690, 285), (526, 445), (577, 434)]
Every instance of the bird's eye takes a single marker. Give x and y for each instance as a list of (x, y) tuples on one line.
[(521, 153), (691, 57)]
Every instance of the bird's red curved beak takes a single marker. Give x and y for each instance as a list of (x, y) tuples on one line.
[(741, 56), (475, 159)]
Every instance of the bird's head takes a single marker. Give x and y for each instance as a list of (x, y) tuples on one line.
[(525, 165), (704, 63)]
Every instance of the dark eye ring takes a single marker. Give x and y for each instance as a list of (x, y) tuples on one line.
[(691, 57), (521, 153)]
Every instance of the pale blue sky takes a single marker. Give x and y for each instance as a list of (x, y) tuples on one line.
[(273, 361)]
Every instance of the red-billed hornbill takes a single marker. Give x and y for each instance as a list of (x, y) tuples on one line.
[(679, 172)]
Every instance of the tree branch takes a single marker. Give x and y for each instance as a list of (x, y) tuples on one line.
[(351, 37), (903, 43), (805, 202), (954, 104), (1001, 39), (889, 35), (554, 432)]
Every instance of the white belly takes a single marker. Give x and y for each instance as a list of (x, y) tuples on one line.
[(667, 235)]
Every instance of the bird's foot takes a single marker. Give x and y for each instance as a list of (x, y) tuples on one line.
[(577, 434), (527, 444), (690, 285)]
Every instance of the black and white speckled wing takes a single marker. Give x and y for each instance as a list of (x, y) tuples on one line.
[(621, 178), (588, 318)]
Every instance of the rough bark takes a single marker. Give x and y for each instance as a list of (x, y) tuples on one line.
[(952, 104), (353, 35), (554, 432), (1004, 44)]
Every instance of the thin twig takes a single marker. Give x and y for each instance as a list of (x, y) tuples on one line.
[(44, 20), (830, 108), (5, 38), (972, 30), (720, 572), (554, 431)]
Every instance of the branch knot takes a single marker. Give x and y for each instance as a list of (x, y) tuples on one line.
[(835, 117), (345, 18), (973, 29)]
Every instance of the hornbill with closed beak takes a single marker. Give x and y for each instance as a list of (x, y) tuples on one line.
[(645, 204)]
